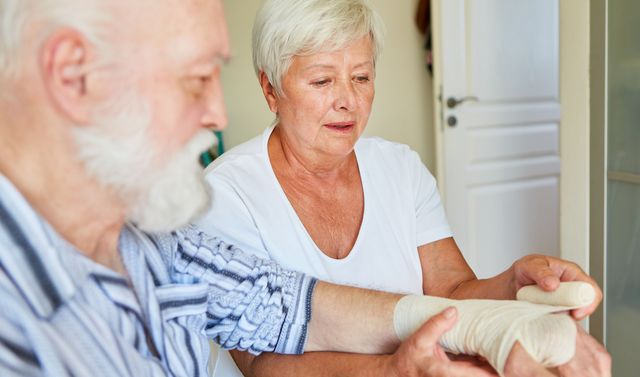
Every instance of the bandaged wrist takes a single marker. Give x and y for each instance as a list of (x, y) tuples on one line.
[(490, 328)]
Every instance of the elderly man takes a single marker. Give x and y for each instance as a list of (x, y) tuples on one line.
[(103, 105)]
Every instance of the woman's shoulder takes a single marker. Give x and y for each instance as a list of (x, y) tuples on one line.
[(385, 159), (376, 147), (246, 157)]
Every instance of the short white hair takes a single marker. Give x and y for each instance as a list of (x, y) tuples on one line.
[(19, 18), (286, 28)]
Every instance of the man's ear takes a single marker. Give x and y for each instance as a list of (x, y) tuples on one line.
[(269, 92), (64, 65)]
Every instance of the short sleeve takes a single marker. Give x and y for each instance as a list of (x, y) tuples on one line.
[(431, 221), (229, 218)]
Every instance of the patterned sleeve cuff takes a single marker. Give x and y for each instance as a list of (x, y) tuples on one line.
[(298, 298), (254, 304)]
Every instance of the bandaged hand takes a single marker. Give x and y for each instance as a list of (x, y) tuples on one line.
[(490, 328)]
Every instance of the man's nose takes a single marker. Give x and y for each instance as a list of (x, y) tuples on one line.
[(215, 116)]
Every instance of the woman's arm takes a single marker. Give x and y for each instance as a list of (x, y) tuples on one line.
[(444, 269), (447, 274), (312, 364)]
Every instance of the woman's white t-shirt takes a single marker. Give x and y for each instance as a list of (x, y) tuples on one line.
[(402, 211)]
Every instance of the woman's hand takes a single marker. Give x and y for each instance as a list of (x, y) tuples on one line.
[(421, 356), (547, 272)]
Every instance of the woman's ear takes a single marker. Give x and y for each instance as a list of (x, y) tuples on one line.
[(64, 67), (269, 92)]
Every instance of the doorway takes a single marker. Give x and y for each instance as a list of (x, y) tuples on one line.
[(497, 75)]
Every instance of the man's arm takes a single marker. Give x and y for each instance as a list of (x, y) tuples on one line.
[(331, 328), (418, 356), (348, 319), (255, 305)]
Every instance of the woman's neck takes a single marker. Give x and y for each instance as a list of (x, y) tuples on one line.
[(287, 158)]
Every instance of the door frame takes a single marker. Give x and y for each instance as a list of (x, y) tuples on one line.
[(598, 159), (438, 118)]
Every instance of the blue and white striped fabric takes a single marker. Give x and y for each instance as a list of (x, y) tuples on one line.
[(61, 314)]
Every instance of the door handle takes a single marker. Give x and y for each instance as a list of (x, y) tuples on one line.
[(452, 102)]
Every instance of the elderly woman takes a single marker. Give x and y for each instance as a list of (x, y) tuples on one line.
[(313, 195)]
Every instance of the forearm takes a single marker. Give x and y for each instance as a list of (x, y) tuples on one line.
[(347, 319), (314, 364), (499, 287), (445, 273)]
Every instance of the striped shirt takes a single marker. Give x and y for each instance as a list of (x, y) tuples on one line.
[(61, 314)]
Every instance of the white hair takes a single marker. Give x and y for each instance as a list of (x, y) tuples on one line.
[(39, 18), (286, 28), (160, 193)]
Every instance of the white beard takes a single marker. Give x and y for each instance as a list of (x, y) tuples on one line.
[(118, 152)]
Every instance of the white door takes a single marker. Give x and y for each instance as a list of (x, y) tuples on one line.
[(498, 156)]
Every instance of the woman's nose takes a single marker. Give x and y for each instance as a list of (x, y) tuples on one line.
[(345, 96)]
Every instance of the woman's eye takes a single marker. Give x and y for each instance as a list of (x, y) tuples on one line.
[(322, 82)]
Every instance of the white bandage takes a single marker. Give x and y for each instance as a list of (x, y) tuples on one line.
[(490, 328), (575, 294)]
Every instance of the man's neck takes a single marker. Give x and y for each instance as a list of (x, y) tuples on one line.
[(56, 185)]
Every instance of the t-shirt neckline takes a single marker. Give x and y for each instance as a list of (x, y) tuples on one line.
[(292, 212)]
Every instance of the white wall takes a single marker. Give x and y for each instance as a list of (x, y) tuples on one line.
[(403, 106)]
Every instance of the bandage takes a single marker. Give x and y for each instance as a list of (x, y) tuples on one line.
[(574, 294), (490, 328)]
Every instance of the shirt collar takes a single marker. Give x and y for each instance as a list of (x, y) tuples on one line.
[(45, 269)]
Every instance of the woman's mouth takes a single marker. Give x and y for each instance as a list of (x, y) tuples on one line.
[(340, 126)]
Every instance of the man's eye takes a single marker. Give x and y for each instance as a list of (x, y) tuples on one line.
[(203, 81), (362, 79), (196, 85)]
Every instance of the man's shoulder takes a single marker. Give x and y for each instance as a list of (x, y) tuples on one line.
[(16, 319), (14, 304)]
